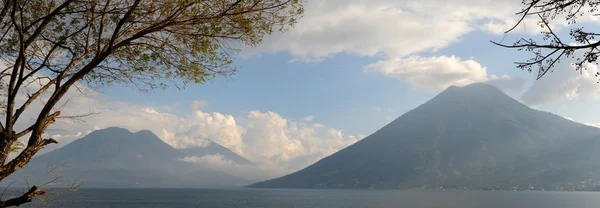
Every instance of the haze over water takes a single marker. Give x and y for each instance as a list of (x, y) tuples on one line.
[(301, 198)]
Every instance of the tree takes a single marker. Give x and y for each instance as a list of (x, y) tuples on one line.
[(552, 48), (58, 44)]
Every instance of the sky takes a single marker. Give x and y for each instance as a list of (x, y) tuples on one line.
[(346, 69)]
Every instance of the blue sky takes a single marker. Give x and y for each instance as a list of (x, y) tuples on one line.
[(337, 91), (347, 69)]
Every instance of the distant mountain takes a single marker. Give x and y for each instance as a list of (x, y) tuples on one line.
[(216, 149), (115, 157), (472, 137)]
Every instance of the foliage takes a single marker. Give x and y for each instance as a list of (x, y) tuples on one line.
[(17, 146), (49, 46), (551, 49)]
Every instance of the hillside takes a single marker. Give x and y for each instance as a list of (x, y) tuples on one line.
[(473, 137)]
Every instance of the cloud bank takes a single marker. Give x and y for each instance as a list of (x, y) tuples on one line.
[(278, 145)]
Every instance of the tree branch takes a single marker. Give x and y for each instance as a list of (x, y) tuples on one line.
[(4, 11), (101, 30), (113, 27), (120, 24), (12, 92), (563, 47), (13, 76), (25, 198), (31, 99), (45, 22), (52, 118), (25, 156)]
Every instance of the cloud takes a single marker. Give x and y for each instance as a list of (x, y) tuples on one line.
[(267, 138), (308, 118), (251, 172), (78, 97), (386, 110), (530, 25), (318, 125), (389, 118), (564, 83), (197, 127), (396, 31), (391, 28), (507, 83), (275, 143), (197, 104), (597, 125), (432, 73)]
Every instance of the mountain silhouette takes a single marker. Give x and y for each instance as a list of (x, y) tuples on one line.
[(116, 157), (472, 137)]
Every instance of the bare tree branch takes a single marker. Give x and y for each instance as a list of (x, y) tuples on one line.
[(25, 198), (545, 54)]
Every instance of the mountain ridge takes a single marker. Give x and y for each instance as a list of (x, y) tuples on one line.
[(116, 157), (474, 136)]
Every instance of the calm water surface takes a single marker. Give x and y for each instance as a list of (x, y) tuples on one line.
[(280, 198)]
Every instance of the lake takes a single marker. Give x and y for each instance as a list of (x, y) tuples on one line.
[(285, 198)]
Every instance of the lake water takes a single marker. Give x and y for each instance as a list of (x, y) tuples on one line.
[(280, 198)]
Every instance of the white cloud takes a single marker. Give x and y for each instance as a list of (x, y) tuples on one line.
[(597, 125), (396, 31), (433, 73), (392, 28), (266, 137), (507, 83), (270, 137)]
